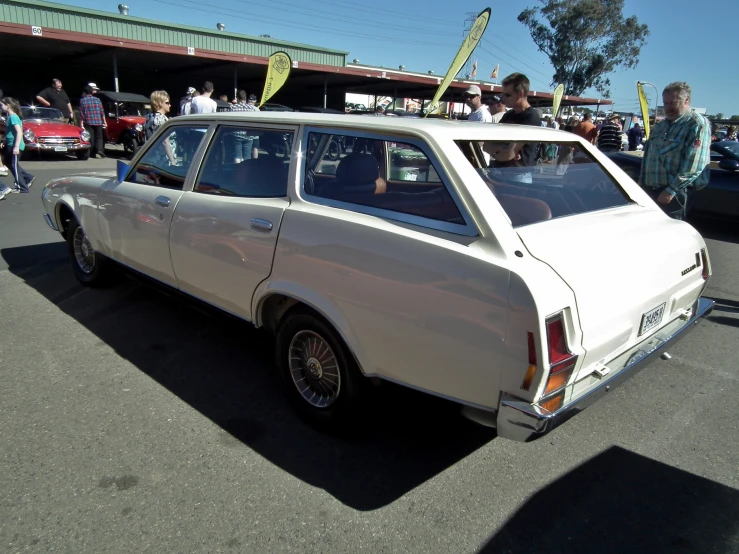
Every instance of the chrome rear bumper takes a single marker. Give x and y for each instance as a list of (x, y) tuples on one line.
[(522, 421)]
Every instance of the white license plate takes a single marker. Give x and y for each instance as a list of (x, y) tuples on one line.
[(60, 149), (651, 319)]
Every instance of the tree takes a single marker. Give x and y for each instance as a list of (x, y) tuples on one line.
[(585, 40), (719, 115), (734, 117)]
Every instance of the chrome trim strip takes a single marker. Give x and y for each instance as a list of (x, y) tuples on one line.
[(522, 421), (50, 223)]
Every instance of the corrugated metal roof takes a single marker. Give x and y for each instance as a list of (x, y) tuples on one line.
[(72, 18)]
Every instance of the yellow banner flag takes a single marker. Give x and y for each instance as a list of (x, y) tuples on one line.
[(465, 51), (277, 72), (558, 93), (644, 108)]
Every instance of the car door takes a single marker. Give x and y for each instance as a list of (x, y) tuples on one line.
[(224, 231), (136, 213)]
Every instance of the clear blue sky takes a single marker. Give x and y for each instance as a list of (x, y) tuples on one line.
[(689, 40)]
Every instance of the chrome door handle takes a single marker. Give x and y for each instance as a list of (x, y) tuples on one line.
[(162, 201), (262, 224)]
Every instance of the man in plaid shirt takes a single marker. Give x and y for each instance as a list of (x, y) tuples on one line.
[(246, 144), (93, 119), (677, 154)]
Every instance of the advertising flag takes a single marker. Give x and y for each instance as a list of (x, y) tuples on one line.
[(644, 108), (494, 74), (278, 70), (558, 92), (465, 51)]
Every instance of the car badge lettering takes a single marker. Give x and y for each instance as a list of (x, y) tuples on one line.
[(696, 265)]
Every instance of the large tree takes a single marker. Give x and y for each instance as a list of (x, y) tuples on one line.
[(586, 40)]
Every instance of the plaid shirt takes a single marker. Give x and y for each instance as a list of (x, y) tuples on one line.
[(91, 111), (244, 107), (677, 154)]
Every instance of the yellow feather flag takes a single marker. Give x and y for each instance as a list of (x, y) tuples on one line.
[(644, 107), (465, 51), (558, 93), (278, 71)]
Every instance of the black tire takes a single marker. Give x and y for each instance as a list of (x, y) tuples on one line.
[(130, 147), (83, 154), (343, 407), (93, 269), (334, 150)]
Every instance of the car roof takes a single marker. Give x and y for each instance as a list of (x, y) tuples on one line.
[(123, 96), (468, 130)]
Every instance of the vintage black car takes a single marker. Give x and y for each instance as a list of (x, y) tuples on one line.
[(720, 199)]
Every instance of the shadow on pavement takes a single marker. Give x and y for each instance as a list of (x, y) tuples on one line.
[(622, 502), (222, 367), (716, 229)]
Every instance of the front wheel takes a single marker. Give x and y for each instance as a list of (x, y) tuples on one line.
[(83, 154), (90, 268), (320, 377), (130, 147)]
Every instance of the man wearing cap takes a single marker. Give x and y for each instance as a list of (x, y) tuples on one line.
[(497, 109), (93, 119), (55, 97), (186, 101), (247, 143), (474, 101)]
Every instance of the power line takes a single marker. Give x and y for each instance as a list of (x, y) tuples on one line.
[(352, 4), (512, 57)]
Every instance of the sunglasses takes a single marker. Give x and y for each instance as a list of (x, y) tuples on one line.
[(508, 94)]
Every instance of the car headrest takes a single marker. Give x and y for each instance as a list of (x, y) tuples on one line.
[(265, 176), (357, 170)]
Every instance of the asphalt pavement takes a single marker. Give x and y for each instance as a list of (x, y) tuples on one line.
[(132, 421)]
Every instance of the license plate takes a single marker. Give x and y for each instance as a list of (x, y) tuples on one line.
[(651, 319), (60, 149)]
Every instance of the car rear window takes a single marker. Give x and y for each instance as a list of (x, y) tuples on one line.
[(560, 179)]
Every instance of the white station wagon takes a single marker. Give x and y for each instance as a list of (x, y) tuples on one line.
[(390, 248)]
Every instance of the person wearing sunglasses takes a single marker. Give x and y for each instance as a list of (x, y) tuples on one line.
[(160, 105), (473, 99), (93, 120)]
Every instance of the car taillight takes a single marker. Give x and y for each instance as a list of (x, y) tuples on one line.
[(706, 268), (561, 361)]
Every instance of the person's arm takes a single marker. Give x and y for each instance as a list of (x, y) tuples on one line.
[(18, 139), (71, 111), (696, 156), (101, 111), (643, 163), (42, 99)]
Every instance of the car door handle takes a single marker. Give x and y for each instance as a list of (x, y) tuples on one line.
[(262, 224), (162, 201)]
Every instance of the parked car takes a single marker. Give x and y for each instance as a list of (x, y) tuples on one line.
[(125, 115), (522, 293), (268, 107), (47, 130), (720, 199)]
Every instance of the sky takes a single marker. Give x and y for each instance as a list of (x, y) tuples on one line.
[(687, 42)]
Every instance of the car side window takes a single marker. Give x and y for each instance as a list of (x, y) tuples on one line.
[(246, 162), (386, 174), (168, 158)]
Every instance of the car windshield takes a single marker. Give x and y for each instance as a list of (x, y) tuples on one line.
[(537, 181), (49, 114), (132, 109)]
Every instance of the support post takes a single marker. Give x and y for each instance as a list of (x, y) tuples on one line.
[(325, 91), (115, 71), (236, 81), (597, 111)]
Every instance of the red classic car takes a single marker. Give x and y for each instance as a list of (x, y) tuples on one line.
[(125, 114), (46, 130)]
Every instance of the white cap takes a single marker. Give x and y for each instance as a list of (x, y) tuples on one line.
[(94, 86), (474, 90)]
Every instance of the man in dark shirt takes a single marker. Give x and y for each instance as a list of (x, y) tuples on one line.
[(516, 154), (635, 134), (55, 97), (609, 138)]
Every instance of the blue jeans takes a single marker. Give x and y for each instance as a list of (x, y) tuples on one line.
[(243, 148), (20, 175), (678, 206)]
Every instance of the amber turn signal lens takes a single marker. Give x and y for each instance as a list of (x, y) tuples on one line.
[(529, 378), (554, 403), (558, 380)]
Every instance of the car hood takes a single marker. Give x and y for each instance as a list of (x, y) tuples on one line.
[(52, 128), (133, 119)]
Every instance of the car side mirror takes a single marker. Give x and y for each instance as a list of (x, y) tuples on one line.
[(121, 171), (729, 165)]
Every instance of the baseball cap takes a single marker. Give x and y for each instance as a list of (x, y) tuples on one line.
[(252, 97), (94, 86), (495, 99), (474, 90), (190, 90)]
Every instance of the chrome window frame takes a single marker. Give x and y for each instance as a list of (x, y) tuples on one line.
[(469, 229), (216, 126)]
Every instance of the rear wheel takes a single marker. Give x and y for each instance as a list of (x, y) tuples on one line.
[(320, 378), (83, 154), (90, 268), (130, 147)]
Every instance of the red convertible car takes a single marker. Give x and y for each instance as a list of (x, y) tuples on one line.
[(46, 130)]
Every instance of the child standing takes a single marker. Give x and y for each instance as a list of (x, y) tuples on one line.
[(13, 147)]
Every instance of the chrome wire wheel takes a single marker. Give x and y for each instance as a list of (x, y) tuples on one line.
[(314, 369), (84, 253)]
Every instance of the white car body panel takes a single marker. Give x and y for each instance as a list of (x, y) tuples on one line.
[(444, 312)]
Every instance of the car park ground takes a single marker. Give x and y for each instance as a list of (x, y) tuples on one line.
[(133, 421)]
